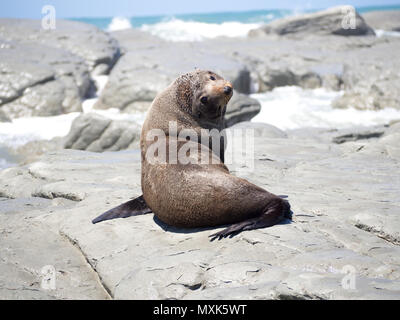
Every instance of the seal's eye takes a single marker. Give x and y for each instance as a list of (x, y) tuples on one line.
[(212, 78), (203, 100)]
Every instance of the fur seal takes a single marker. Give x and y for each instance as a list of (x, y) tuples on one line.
[(195, 194)]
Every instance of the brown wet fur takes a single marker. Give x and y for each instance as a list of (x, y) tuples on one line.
[(201, 195), (197, 195)]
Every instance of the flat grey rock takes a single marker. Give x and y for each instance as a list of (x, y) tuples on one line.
[(343, 242), (86, 41), (261, 130), (384, 20), (25, 269)]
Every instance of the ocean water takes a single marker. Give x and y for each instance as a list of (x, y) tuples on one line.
[(192, 27), (197, 27)]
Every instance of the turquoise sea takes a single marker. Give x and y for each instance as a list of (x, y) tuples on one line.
[(246, 17)]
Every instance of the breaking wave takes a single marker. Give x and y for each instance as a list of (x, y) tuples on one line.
[(119, 23), (179, 30)]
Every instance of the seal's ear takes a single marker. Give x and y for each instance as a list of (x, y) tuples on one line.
[(184, 93)]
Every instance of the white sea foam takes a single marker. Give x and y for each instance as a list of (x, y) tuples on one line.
[(179, 30), (119, 23), (293, 107), (100, 81), (382, 33), (23, 130)]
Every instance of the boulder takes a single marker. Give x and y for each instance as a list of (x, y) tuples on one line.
[(150, 64), (336, 21), (132, 81), (364, 100), (241, 108), (290, 62), (272, 76), (372, 83), (96, 133), (365, 68), (86, 41), (45, 82)]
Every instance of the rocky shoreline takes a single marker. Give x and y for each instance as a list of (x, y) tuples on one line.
[(59, 72), (343, 184)]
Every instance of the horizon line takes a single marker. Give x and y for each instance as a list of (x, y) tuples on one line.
[(305, 10), (383, 7)]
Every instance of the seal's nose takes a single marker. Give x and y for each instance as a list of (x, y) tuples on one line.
[(227, 90)]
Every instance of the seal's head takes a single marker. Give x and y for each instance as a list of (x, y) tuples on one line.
[(204, 94)]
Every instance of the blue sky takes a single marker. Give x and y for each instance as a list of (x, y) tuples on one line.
[(128, 8)]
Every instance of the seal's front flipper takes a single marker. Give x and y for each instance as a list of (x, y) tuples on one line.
[(133, 207), (276, 211)]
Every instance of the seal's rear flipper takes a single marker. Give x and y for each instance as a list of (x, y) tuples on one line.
[(277, 211), (133, 207)]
